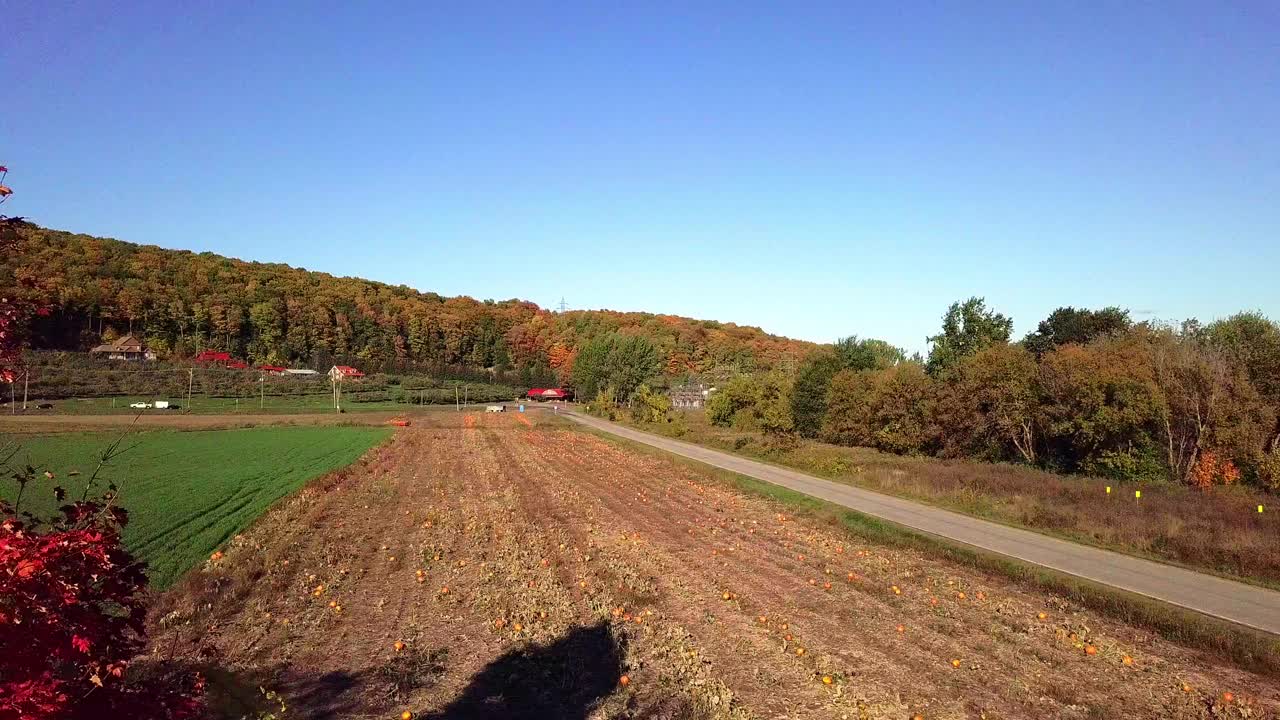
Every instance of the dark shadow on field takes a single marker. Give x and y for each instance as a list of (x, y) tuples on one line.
[(563, 679), (566, 678)]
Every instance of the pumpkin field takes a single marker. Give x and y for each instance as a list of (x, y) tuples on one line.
[(510, 566)]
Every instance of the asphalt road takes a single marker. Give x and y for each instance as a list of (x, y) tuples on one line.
[(1247, 605)]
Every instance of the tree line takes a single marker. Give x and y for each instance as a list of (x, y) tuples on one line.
[(1088, 391), (181, 303)]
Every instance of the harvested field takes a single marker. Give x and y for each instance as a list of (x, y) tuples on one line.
[(527, 567)]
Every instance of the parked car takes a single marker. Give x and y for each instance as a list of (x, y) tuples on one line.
[(140, 405)]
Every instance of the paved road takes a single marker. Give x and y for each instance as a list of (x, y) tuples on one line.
[(1244, 604)]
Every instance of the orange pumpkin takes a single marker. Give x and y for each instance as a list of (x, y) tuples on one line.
[(398, 646), (624, 681)]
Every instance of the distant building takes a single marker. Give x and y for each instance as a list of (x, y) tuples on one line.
[(301, 372), (272, 369), (344, 372), (212, 357), (128, 347), (689, 396), (549, 394)]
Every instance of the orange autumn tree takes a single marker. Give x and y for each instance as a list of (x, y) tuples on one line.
[(1212, 470)]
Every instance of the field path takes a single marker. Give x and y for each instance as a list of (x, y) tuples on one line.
[(1247, 605), (527, 566)]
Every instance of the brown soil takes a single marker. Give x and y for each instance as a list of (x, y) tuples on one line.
[(570, 562)]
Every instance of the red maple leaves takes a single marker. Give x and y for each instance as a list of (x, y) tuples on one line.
[(72, 611)]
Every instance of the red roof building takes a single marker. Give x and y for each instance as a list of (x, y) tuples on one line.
[(550, 394), (344, 372), (272, 369), (237, 365), (212, 356)]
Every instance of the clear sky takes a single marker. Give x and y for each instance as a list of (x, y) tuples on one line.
[(818, 170)]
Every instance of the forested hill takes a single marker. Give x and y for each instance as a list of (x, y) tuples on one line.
[(181, 303)]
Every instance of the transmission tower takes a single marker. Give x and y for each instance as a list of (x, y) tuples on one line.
[(562, 306)]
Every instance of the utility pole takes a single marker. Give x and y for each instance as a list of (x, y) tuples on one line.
[(456, 406), (191, 378), (26, 377), (466, 394), (13, 402), (262, 392)]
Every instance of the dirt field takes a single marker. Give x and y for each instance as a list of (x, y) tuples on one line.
[(527, 568)]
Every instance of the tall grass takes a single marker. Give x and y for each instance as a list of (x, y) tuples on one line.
[(1218, 531)]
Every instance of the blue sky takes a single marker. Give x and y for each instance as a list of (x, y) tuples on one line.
[(817, 170)]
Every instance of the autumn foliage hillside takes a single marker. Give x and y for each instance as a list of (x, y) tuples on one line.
[(182, 302)]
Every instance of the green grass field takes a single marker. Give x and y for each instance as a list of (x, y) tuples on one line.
[(188, 492)]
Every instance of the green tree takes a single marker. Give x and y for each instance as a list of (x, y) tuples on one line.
[(867, 354), (1210, 405), (1069, 325), (648, 406), (813, 377), (886, 409), (967, 327), (987, 406), (620, 362), (754, 402), (1253, 341), (1101, 410), (809, 391), (847, 420)]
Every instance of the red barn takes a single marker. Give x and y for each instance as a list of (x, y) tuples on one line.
[(213, 357)]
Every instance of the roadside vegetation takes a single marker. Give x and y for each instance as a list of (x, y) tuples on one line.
[(189, 492), (1033, 433), (1219, 532)]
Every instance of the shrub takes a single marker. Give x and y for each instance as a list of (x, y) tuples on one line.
[(1269, 469), (1212, 469), (72, 612)]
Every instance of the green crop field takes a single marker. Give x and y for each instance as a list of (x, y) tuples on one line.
[(188, 492)]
